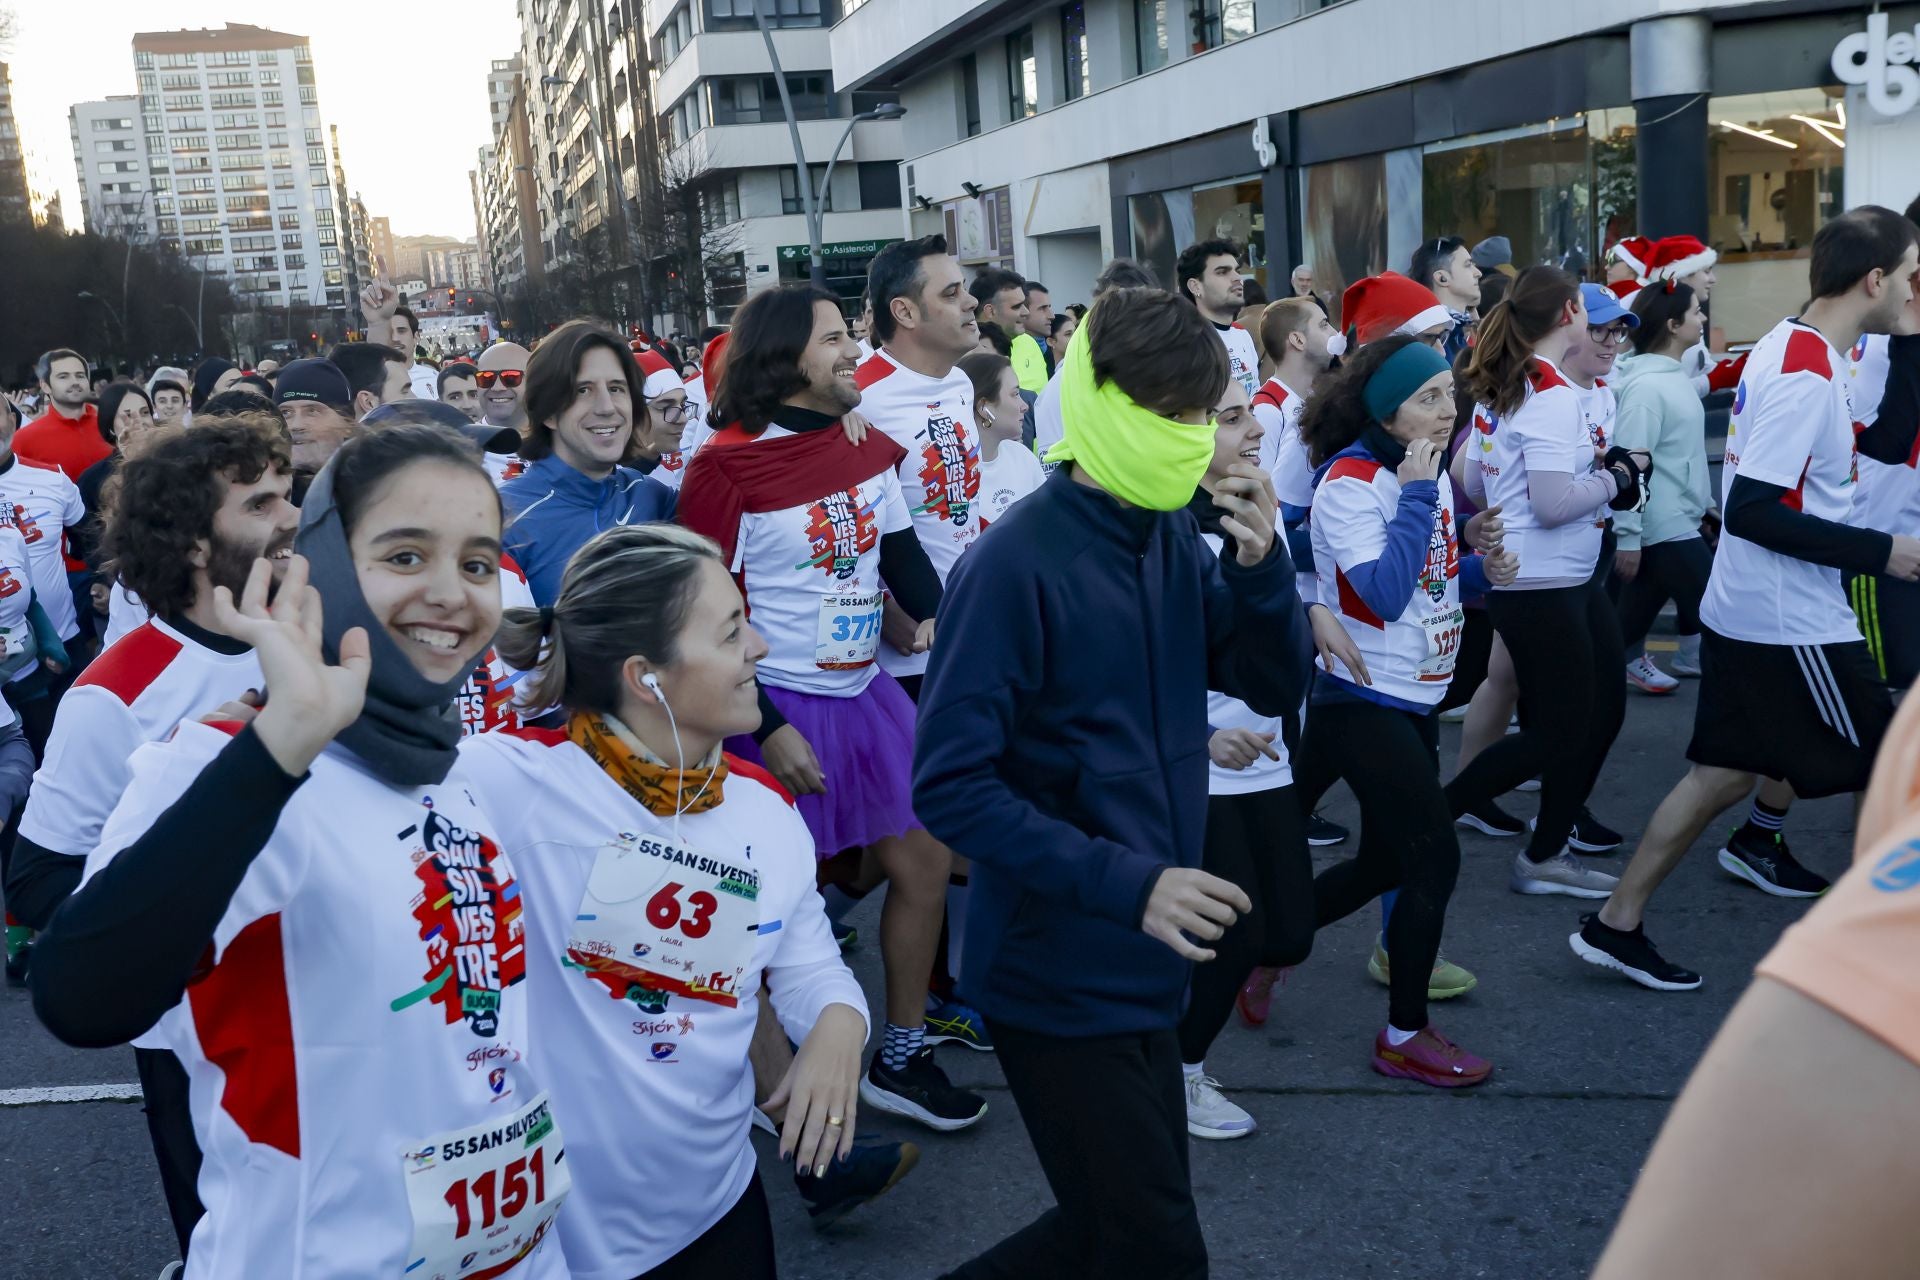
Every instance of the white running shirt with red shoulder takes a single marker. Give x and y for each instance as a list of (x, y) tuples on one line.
[(654, 1087), (487, 700), (672, 468), (16, 602), (811, 578), (1793, 426), (1548, 432), (45, 505), (1888, 495), (932, 419), (355, 1050), (1282, 454)]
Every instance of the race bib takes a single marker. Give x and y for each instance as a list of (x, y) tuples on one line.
[(849, 632), (483, 1197), (1442, 628), (665, 916)]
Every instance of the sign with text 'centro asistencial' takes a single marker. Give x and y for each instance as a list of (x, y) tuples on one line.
[(837, 249)]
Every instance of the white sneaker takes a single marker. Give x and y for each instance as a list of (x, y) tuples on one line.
[(1562, 873), (1647, 678), (1210, 1115), (1454, 715), (171, 1271)]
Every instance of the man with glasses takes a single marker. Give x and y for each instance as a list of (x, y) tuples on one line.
[(503, 367), (662, 447)]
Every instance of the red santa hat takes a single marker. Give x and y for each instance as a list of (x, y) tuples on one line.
[(661, 377), (1625, 290), (1380, 306), (1634, 251), (1678, 256)]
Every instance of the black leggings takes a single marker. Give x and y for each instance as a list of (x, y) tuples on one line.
[(738, 1247), (164, 1086), (1675, 571), (1390, 760), (1565, 645), (1259, 842)]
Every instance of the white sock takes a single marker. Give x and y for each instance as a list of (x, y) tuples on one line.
[(1396, 1037), (1192, 1069), (839, 902), (956, 924)]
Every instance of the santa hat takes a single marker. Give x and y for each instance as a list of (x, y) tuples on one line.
[(1625, 290), (713, 359), (660, 376), (1380, 306), (1634, 251), (1677, 256)]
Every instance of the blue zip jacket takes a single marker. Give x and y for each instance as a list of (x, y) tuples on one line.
[(1062, 742), (552, 510)]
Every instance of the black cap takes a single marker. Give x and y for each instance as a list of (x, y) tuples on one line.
[(313, 379), (490, 439)]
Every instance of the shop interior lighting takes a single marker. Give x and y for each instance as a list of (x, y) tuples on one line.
[(1822, 127), (1840, 111), (1756, 133)]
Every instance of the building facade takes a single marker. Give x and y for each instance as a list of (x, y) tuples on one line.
[(110, 161), (1104, 127), (16, 203)]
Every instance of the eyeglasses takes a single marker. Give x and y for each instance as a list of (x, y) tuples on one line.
[(1608, 333), (670, 410), (505, 377)]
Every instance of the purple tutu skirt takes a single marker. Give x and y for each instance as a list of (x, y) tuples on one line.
[(865, 746)]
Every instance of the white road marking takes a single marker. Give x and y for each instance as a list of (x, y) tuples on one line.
[(48, 1094)]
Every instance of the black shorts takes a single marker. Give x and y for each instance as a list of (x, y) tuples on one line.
[(1889, 613), (1812, 715)]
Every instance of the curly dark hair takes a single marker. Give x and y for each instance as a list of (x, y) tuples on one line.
[(165, 502), (1337, 412)]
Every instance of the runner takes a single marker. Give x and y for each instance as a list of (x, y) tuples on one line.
[(1303, 344), (1119, 273), (1789, 688), (669, 439), (1446, 266), (1538, 463), (44, 505), (648, 652), (365, 1109), (811, 523), (1208, 276), (1008, 471), (1384, 532)]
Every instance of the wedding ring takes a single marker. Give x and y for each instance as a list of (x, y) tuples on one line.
[(835, 1120)]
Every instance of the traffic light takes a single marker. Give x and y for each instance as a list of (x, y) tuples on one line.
[(449, 296)]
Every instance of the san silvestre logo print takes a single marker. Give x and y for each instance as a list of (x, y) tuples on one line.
[(470, 919)]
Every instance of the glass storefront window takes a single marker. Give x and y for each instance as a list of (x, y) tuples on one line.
[(1361, 216), (1530, 184), (1165, 222)]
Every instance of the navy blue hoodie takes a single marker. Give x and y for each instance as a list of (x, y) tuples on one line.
[(1062, 742)]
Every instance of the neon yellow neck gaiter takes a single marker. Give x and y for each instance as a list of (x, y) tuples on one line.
[(1133, 453)]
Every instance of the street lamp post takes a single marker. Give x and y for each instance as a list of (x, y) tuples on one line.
[(199, 344), (118, 323)]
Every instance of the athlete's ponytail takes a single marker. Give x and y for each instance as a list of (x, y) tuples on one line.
[(625, 594), (1507, 334)]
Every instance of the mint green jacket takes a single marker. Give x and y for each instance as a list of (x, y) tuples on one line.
[(1659, 411)]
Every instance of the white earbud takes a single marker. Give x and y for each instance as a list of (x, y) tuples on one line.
[(652, 682)]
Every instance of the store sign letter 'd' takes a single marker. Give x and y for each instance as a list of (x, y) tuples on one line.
[(1883, 63)]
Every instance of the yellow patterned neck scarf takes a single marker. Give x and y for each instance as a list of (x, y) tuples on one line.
[(661, 789)]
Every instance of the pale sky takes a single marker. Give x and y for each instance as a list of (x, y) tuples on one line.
[(405, 81)]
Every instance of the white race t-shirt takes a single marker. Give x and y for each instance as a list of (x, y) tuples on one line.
[(504, 467), (1598, 408), (1243, 359), (932, 419), (1548, 432), (1793, 427), (1888, 496), (1227, 712), (487, 699), (811, 576), (1010, 475), (356, 1051), (673, 465), (45, 505), (1282, 453), (617, 1055), (16, 601), (125, 611), (1049, 427)]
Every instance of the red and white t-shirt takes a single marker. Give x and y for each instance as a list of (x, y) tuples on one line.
[(504, 467), (1410, 656), (1548, 432), (1243, 358), (1598, 408), (613, 1051), (487, 699), (1888, 496), (811, 577), (1010, 475), (1227, 712), (1282, 454), (673, 464), (356, 1050), (932, 419), (45, 505), (16, 599), (1793, 427)]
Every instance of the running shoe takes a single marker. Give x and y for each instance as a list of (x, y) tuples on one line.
[(845, 934), (1762, 860), (1454, 715), (1589, 834), (172, 1271), (1629, 953), (1256, 996), (1210, 1115), (18, 958), (956, 1023), (873, 1168), (1448, 980), (921, 1091), (1686, 663), (1491, 820), (1322, 833), (1647, 678), (1562, 873), (1430, 1058)]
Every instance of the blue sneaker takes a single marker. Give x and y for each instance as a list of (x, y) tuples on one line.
[(846, 935), (873, 1168), (955, 1023)]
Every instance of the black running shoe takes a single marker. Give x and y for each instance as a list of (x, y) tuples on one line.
[(1491, 820), (873, 1168), (1590, 835), (1631, 954), (18, 959), (1762, 860), (1321, 833), (921, 1091)]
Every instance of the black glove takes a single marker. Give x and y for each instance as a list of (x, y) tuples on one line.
[(1626, 473)]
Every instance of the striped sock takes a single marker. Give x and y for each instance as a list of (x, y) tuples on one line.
[(900, 1044), (1766, 818)]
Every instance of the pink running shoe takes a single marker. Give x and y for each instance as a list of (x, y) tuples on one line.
[(1256, 996), (1430, 1058)]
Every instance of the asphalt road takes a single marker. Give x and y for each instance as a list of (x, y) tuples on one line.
[(1351, 1175)]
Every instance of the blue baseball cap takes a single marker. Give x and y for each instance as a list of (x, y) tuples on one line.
[(1603, 307)]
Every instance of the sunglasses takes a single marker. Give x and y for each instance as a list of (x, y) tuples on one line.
[(505, 377)]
